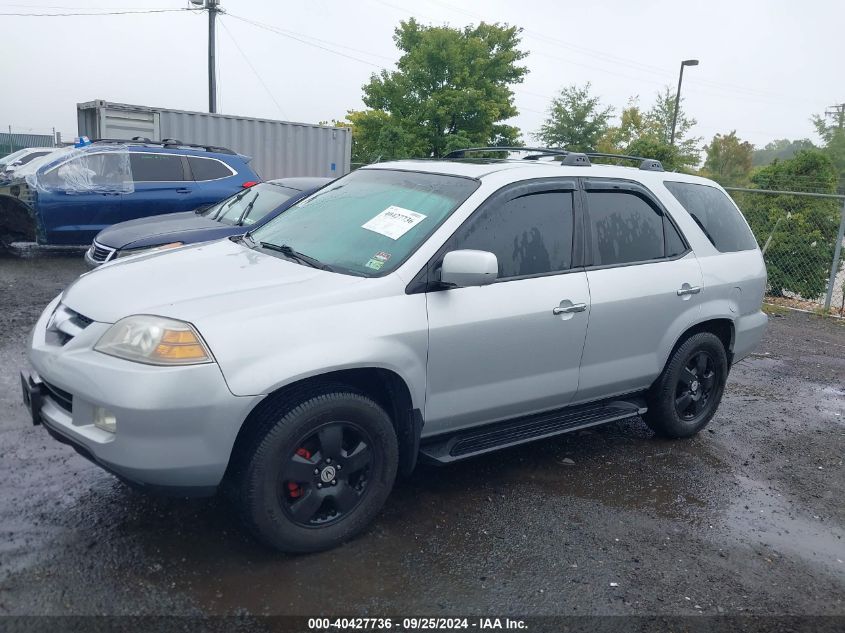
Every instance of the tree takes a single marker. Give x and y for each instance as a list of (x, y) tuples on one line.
[(647, 134), (728, 159), (801, 230), (377, 135), (833, 136), (451, 88), (576, 121), (779, 149), (659, 122)]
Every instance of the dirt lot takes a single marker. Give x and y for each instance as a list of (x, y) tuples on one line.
[(746, 518)]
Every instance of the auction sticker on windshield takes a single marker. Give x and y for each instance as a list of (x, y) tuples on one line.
[(394, 222)]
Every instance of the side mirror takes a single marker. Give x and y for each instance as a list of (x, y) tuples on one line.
[(469, 268)]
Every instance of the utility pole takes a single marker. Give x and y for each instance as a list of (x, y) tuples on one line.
[(837, 112), (211, 6)]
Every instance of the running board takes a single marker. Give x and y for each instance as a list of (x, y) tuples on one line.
[(443, 449)]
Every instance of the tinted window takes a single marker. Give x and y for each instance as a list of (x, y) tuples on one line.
[(674, 243), (34, 155), (156, 167), (717, 216), (207, 169), (624, 228), (529, 235), (369, 221)]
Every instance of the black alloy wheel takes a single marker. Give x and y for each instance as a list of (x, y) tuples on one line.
[(326, 476), (696, 384)]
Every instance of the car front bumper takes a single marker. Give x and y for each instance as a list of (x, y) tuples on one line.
[(176, 426)]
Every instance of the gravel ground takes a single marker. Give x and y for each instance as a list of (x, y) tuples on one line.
[(746, 518)]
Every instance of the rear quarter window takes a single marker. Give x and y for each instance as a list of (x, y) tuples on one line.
[(208, 169), (715, 214)]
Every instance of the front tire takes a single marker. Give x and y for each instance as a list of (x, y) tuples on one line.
[(687, 393), (318, 470)]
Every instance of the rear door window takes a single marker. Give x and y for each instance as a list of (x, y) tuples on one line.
[(624, 228), (156, 167), (715, 214), (208, 169)]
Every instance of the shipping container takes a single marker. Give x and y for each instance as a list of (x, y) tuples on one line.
[(278, 149)]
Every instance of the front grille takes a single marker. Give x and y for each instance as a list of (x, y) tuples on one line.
[(101, 254), (64, 324), (59, 396)]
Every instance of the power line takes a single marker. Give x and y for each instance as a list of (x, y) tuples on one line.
[(277, 31), (615, 59), (89, 14), (255, 72)]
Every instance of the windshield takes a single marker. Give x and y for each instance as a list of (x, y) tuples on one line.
[(250, 205), (369, 222)]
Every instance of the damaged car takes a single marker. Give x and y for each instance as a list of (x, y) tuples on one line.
[(65, 199)]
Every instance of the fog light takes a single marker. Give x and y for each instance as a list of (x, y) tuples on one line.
[(105, 420)]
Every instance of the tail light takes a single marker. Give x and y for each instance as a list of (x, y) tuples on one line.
[(250, 183)]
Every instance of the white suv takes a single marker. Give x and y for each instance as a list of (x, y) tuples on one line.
[(424, 308)]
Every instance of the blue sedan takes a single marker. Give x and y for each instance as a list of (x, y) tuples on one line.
[(242, 212)]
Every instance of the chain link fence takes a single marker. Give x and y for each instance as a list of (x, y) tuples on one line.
[(801, 236)]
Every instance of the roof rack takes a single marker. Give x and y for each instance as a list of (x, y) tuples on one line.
[(167, 142), (569, 158), (648, 164)]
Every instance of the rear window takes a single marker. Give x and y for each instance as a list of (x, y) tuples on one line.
[(156, 167), (208, 169), (716, 215), (33, 156)]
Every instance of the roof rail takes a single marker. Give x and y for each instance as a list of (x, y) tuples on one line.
[(569, 158), (539, 151), (649, 164), (168, 142)]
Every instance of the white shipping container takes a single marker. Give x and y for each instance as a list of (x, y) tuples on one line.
[(278, 149)]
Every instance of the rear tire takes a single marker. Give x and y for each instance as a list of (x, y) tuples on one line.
[(687, 393), (317, 470)]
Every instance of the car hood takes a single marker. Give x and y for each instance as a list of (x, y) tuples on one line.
[(200, 281), (169, 224)]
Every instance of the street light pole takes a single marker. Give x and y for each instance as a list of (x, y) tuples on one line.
[(686, 62)]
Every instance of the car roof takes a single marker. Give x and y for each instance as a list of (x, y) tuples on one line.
[(301, 183), (526, 169)]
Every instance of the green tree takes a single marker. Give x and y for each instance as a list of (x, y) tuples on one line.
[(728, 159), (647, 134), (577, 120), (451, 89), (801, 230), (659, 121), (833, 135), (780, 148)]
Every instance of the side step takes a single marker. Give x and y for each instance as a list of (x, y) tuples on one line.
[(443, 449)]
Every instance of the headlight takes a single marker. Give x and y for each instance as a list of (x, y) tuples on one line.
[(154, 340), (151, 249)]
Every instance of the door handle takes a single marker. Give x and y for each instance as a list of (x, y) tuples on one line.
[(689, 290), (183, 191), (575, 307)]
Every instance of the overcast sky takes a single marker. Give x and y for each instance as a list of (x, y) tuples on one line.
[(766, 66)]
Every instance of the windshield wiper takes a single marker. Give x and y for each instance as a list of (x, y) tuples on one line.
[(247, 210), (289, 252)]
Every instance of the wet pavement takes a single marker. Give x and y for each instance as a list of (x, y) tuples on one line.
[(747, 517)]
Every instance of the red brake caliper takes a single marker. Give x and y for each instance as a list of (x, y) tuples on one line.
[(293, 488)]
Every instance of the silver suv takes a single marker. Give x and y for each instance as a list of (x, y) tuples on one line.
[(432, 309)]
